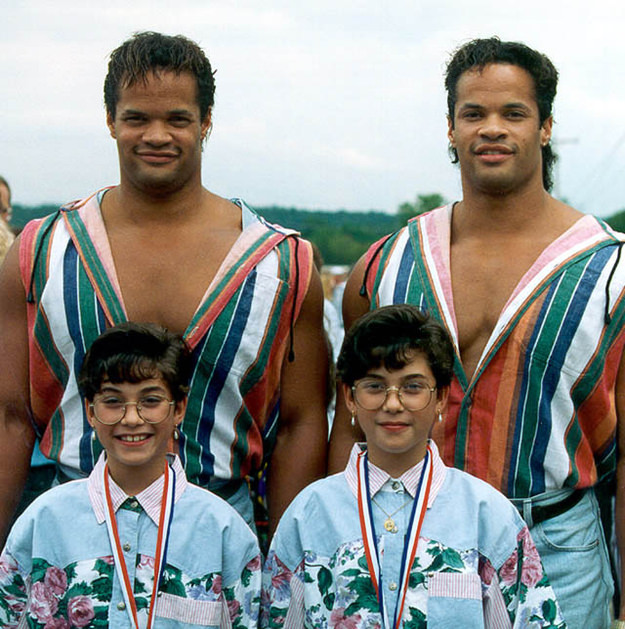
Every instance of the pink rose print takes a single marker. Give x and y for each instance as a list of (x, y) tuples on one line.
[(233, 609), (56, 580), (338, 620), (486, 570), (532, 570), (281, 581), (43, 603), (216, 584), (8, 566), (254, 564), (508, 572), (80, 611), (57, 623), (146, 563), (15, 605)]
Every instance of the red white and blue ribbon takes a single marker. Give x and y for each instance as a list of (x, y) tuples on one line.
[(365, 512), (165, 518)]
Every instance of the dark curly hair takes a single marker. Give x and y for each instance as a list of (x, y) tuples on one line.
[(388, 337), (148, 52), (480, 52), (132, 352)]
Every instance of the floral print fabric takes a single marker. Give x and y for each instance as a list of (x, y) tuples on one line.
[(475, 566), (57, 569), (79, 594)]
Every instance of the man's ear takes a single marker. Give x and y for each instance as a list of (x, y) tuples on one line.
[(545, 131), (207, 125), (450, 132), (110, 123)]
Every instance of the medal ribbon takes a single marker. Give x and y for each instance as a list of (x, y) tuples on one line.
[(411, 542), (165, 518)]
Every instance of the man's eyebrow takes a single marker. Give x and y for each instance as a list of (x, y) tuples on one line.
[(471, 106), (511, 105), (183, 111), (126, 112), (516, 105)]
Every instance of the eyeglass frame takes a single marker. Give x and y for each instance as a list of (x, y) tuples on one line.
[(137, 405), (399, 397)]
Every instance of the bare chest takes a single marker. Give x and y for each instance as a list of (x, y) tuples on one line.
[(483, 280), (163, 277)]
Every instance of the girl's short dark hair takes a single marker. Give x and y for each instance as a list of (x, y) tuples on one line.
[(132, 352), (389, 337)]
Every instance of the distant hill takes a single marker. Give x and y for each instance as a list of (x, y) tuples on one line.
[(341, 235)]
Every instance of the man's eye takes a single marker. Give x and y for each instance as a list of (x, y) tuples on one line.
[(179, 121), (133, 119)]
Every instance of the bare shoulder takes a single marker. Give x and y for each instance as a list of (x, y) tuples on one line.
[(222, 212), (355, 303), (564, 215)]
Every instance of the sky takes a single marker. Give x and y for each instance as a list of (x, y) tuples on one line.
[(329, 104)]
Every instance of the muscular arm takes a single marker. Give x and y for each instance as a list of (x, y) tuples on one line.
[(343, 434), (16, 433), (299, 456), (620, 479)]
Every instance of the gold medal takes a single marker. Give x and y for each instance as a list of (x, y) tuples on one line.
[(389, 523)]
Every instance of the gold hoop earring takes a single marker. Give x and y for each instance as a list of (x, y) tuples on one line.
[(353, 421)]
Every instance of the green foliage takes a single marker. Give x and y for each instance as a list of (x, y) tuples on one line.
[(417, 619), (423, 203), (342, 236), (617, 221), (24, 213)]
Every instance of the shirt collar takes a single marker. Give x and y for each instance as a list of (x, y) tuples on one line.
[(149, 498), (409, 479)]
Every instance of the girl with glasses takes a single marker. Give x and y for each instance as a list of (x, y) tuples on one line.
[(398, 540), (133, 545)]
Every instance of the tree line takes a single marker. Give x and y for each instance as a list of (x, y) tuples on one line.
[(342, 236)]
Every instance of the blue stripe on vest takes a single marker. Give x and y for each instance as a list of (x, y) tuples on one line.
[(216, 384), (404, 273)]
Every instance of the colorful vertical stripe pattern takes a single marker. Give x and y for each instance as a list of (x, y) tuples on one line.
[(539, 412), (238, 337)]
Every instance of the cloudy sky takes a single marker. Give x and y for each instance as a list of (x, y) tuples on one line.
[(321, 104)]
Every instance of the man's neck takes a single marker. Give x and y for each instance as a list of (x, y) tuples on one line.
[(509, 212), (515, 215), (140, 207)]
